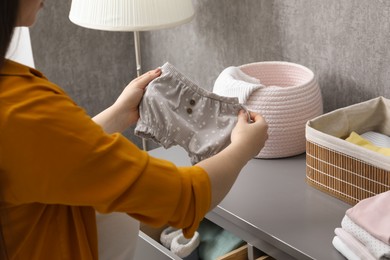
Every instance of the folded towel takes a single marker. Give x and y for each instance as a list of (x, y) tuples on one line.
[(359, 140), (344, 249), (377, 248), (233, 82), (373, 214), (377, 139), (354, 245)]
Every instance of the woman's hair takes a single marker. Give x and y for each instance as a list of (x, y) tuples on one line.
[(8, 18)]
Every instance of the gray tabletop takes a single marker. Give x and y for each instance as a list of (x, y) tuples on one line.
[(273, 208)]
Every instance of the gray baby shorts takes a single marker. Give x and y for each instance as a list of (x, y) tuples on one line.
[(175, 111)]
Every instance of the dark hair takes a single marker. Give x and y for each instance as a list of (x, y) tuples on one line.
[(8, 17)]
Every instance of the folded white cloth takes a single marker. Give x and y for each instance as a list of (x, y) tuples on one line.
[(373, 215), (355, 245), (344, 249), (168, 234), (376, 247), (233, 82), (377, 139), (183, 247)]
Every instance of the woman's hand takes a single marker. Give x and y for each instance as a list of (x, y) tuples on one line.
[(124, 112), (131, 96), (249, 138)]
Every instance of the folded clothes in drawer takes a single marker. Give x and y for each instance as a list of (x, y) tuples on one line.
[(343, 169)]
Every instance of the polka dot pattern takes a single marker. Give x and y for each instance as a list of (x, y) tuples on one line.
[(377, 248), (175, 111)]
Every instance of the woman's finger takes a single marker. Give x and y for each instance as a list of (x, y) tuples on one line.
[(148, 76)]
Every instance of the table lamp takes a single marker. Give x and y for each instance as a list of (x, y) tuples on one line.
[(131, 15)]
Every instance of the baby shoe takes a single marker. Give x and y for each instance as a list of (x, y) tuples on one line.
[(183, 247), (167, 235)]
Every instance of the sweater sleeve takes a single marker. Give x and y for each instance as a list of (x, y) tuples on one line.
[(53, 153)]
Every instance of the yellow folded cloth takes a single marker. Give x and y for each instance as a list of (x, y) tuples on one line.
[(358, 140)]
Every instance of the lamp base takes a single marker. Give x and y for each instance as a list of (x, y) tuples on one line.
[(137, 48)]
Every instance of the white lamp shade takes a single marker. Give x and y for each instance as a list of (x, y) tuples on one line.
[(130, 15)]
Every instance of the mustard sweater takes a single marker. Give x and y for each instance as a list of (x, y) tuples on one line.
[(57, 167)]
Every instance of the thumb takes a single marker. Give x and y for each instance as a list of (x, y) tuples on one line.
[(242, 116)]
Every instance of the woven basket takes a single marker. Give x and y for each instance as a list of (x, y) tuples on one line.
[(291, 97), (342, 169)]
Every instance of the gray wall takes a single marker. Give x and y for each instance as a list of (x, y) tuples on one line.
[(92, 66), (346, 44)]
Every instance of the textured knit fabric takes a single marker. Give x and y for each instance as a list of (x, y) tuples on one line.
[(355, 245), (289, 96), (232, 82), (359, 140), (174, 240), (168, 234), (377, 138), (183, 247), (344, 249), (376, 247), (175, 111), (57, 167), (373, 214)]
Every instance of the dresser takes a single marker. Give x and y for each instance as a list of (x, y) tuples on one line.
[(273, 209)]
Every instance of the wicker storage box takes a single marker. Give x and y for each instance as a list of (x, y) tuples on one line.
[(342, 169)]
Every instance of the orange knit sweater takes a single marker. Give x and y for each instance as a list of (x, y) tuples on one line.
[(57, 167)]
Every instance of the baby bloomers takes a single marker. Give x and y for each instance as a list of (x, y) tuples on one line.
[(175, 111)]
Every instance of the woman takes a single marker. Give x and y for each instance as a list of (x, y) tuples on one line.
[(57, 165)]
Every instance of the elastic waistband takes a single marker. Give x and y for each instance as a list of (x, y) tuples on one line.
[(169, 70)]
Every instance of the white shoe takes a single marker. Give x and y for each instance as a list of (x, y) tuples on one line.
[(183, 247), (167, 235)]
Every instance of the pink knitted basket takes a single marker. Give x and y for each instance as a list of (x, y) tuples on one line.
[(290, 98)]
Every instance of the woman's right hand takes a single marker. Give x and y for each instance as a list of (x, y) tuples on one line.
[(249, 137)]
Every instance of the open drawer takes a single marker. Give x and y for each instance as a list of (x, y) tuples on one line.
[(246, 252), (149, 247)]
